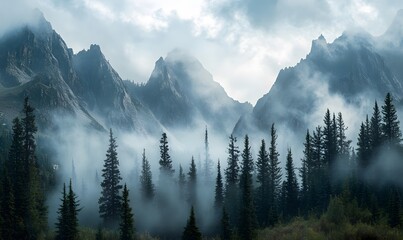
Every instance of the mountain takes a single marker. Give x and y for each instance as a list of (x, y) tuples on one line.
[(354, 67), (104, 94), (36, 62), (182, 93)]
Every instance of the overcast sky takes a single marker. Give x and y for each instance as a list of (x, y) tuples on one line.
[(243, 43)]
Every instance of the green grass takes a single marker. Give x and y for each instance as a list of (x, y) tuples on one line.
[(318, 229)]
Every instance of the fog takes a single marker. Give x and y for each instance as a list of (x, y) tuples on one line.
[(79, 153)]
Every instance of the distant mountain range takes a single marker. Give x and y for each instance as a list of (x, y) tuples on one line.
[(36, 62), (181, 93), (354, 67)]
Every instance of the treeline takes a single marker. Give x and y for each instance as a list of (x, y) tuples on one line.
[(23, 211), (248, 194)]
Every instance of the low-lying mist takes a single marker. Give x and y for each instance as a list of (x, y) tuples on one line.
[(79, 153)]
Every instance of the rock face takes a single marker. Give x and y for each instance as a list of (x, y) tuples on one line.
[(104, 94), (355, 66), (35, 62), (181, 92)]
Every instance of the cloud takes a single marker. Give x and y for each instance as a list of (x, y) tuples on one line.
[(243, 44)]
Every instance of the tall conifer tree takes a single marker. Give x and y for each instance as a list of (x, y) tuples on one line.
[(247, 222), (165, 162), (127, 231), (110, 200), (192, 183), (32, 194), (146, 182), (274, 177), (291, 188), (181, 181), (343, 145), (306, 174), (329, 141), (390, 125), (263, 191), (191, 231), (62, 219), (219, 189), (376, 128), (232, 180), (67, 221), (207, 160)]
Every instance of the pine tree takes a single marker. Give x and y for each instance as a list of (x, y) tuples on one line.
[(67, 221), (181, 181), (247, 220), (263, 178), (329, 156), (303, 194), (110, 200), (329, 140), (191, 231), (226, 232), (363, 146), (192, 182), (33, 210), (317, 148), (62, 219), (231, 180), (73, 209), (376, 128), (291, 188), (219, 189), (320, 185), (390, 125), (306, 175), (127, 231), (343, 153), (274, 177), (207, 160), (166, 169), (343, 145), (364, 155), (146, 183)]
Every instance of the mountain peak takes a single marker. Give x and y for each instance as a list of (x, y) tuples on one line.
[(37, 22), (322, 38), (318, 45), (160, 62), (95, 47), (93, 52)]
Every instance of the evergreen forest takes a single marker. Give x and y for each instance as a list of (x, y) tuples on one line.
[(340, 191)]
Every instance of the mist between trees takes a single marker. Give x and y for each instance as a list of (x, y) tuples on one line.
[(176, 188)]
